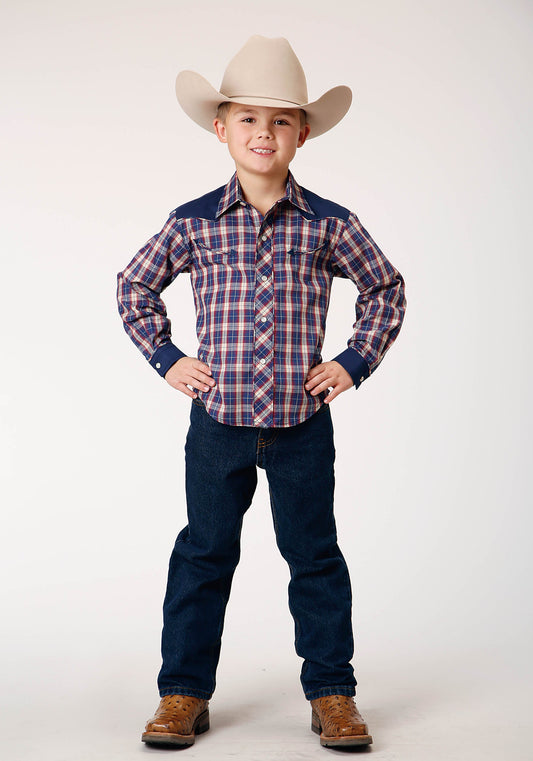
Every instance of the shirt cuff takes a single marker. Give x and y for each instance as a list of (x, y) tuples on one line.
[(354, 364), (164, 357)]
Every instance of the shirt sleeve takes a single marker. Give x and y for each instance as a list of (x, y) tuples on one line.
[(139, 289), (380, 306)]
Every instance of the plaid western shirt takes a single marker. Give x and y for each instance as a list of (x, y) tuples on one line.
[(261, 289)]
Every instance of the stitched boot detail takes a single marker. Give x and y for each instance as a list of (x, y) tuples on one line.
[(338, 722), (178, 719)]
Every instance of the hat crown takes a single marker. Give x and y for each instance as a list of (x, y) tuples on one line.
[(266, 68)]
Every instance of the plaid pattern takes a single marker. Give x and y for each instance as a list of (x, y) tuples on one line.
[(261, 288)]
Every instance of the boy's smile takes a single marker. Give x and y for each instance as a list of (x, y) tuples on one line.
[(262, 140)]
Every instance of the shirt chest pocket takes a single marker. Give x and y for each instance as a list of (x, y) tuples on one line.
[(210, 257), (309, 265)]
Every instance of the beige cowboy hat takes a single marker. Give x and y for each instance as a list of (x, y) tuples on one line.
[(265, 72)]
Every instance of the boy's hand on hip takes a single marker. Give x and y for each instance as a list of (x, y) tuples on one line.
[(189, 371), (328, 375)]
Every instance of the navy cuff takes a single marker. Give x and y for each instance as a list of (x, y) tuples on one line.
[(354, 364), (164, 357)]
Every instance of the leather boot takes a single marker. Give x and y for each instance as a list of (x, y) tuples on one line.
[(338, 722), (177, 721)]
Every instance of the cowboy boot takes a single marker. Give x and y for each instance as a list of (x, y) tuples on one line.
[(338, 722), (177, 720)]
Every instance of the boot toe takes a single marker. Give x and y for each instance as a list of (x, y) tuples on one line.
[(354, 729), (177, 720), (155, 726)]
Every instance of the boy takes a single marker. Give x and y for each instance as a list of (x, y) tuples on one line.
[(261, 253)]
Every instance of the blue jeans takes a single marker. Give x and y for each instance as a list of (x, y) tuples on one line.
[(221, 477)]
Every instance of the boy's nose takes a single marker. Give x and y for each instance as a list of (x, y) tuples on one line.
[(264, 131)]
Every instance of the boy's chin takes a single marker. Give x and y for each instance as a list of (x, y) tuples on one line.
[(263, 170)]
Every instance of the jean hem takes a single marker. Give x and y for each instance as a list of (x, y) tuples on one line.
[(190, 692), (326, 691)]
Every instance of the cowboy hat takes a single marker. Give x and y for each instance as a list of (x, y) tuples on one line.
[(265, 72)]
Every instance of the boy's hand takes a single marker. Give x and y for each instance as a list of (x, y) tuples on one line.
[(328, 375), (189, 371)]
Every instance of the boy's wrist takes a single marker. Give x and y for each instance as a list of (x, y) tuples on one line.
[(164, 357), (354, 364)]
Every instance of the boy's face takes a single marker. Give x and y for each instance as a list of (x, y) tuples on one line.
[(262, 140)]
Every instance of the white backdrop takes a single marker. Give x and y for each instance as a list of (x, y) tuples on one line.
[(434, 451)]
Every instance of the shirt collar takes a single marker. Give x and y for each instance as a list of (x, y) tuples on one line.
[(294, 195), (233, 194)]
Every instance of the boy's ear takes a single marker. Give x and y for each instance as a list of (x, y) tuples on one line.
[(220, 129), (304, 134)]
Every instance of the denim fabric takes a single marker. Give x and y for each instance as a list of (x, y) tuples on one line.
[(221, 477)]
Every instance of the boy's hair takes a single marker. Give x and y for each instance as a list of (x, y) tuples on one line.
[(224, 107)]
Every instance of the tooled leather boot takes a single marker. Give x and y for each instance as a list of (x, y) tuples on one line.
[(338, 722), (177, 721)]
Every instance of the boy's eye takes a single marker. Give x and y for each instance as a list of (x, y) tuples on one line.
[(250, 120)]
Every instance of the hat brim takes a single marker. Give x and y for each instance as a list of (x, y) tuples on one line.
[(200, 101)]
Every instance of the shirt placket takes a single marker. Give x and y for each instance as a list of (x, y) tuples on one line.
[(264, 329)]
